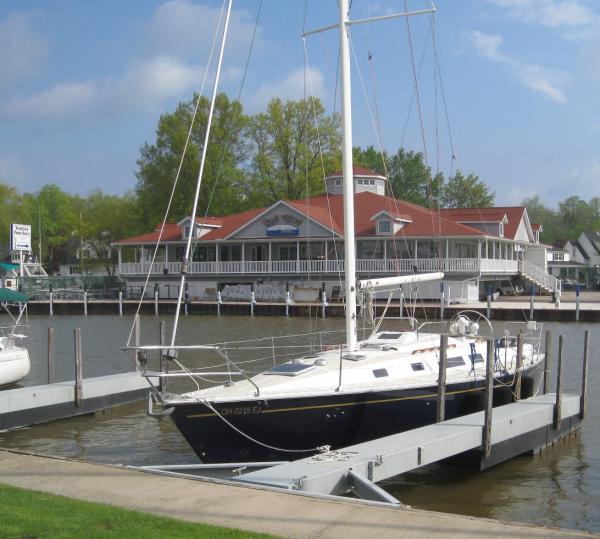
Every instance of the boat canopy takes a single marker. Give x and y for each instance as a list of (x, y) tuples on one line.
[(11, 296), (7, 266)]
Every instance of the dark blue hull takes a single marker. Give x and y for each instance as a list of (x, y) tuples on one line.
[(336, 420)]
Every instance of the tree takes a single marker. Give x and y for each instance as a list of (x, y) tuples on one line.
[(576, 216), (11, 211), (294, 144), (370, 158), (466, 192), (107, 218), (222, 182), (410, 178)]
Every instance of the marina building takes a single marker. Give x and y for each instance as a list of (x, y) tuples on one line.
[(298, 245)]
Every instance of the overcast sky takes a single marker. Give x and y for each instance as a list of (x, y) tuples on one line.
[(82, 84)]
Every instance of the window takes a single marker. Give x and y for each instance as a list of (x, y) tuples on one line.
[(371, 182), (186, 232), (558, 256), (338, 182), (385, 226)]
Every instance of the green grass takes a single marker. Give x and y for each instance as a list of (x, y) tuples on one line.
[(26, 514)]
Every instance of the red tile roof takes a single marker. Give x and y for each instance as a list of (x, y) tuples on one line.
[(513, 214), (329, 212)]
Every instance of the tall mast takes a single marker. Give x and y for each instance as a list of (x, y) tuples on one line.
[(348, 181)]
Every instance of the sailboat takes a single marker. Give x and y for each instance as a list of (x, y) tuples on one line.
[(338, 396), (14, 360)]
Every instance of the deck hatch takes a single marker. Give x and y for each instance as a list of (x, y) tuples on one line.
[(290, 369), (417, 366), (389, 336), (354, 357), (380, 373)]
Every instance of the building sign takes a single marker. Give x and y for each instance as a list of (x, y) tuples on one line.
[(283, 225), (20, 237)]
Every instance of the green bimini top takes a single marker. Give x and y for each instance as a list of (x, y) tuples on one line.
[(7, 266), (11, 296)]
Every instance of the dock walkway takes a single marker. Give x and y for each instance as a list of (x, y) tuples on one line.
[(249, 508)]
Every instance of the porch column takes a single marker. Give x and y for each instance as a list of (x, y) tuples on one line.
[(297, 256), (243, 257), (416, 256), (270, 258), (447, 249)]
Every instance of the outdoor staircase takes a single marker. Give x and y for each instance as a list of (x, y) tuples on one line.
[(538, 277)]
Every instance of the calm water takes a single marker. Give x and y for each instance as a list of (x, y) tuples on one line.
[(559, 487)]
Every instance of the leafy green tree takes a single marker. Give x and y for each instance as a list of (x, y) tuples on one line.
[(222, 183), (11, 211), (370, 158), (294, 144), (469, 191)]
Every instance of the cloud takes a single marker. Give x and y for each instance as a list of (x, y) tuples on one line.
[(22, 49), (181, 28), (290, 87), (548, 13), (547, 81)]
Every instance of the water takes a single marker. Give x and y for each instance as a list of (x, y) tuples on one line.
[(560, 487)]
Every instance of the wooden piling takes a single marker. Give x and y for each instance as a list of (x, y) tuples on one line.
[(78, 369), (51, 303), (486, 441), (489, 303), (155, 302), (85, 298), (120, 303), (137, 332), (519, 366), (557, 405), (161, 341), (584, 375), (547, 361), (51, 355), (531, 303), (441, 402)]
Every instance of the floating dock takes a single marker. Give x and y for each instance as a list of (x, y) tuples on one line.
[(39, 404)]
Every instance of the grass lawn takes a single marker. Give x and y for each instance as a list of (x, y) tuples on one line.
[(26, 514)]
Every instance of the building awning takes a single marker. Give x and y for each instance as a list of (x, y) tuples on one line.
[(7, 266), (12, 296)]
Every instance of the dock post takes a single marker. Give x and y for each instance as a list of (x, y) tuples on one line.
[(401, 302), (50, 355), (324, 305), (577, 303), (85, 302), (120, 302), (219, 301), (531, 302), (288, 300), (161, 341), (51, 303), (136, 340), (519, 366), (442, 301), (547, 361), (584, 375), (252, 302), (558, 404), (441, 403), (156, 299), (78, 370), (489, 303), (486, 441)]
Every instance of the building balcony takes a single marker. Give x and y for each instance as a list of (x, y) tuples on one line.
[(471, 266)]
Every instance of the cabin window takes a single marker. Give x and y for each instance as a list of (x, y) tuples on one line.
[(417, 366), (380, 373), (385, 226), (456, 361)]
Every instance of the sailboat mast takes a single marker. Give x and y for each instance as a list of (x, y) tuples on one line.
[(348, 181), (188, 246)]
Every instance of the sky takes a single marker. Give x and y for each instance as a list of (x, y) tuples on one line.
[(516, 98)]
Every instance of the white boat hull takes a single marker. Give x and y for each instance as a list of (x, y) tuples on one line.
[(14, 365)]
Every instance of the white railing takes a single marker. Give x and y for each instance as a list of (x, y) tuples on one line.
[(539, 275), (492, 265), (451, 265)]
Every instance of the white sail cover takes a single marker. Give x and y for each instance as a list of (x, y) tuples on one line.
[(391, 282)]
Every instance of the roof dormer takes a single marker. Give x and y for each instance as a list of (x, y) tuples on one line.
[(202, 226), (389, 223)]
